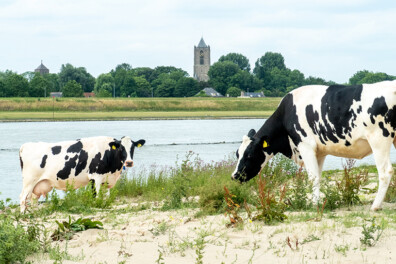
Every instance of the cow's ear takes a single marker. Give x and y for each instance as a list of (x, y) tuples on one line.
[(251, 133), (115, 144), (265, 142), (139, 143)]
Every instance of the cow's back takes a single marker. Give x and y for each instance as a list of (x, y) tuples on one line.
[(336, 119), (61, 162)]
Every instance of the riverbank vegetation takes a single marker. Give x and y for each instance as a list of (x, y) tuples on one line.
[(194, 211)]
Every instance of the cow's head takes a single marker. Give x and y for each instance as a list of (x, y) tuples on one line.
[(251, 157), (125, 148)]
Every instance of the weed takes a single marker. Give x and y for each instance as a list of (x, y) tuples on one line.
[(371, 232), (232, 209), (66, 230), (199, 247), (56, 254), (341, 249), (160, 229), (310, 238), (160, 258), (269, 208), (289, 243), (351, 183), (299, 188)]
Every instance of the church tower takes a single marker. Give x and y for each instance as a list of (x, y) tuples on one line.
[(201, 61)]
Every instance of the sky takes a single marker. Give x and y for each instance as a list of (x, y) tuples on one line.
[(331, 39)]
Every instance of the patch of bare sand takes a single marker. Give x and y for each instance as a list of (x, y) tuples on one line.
[(152, 236)]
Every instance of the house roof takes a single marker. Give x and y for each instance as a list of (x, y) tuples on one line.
[(202, 44), (212, 92)]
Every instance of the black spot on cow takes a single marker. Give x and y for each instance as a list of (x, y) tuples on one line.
[(69, 165), (56, 150), (347, 143), (359, 110), (66, 157), (299, 156), (379, 108), (82, 162), (385, 131), (392, 134), (364, 124), (112, 160), (21, 162), (43, 161), (337, 114), (390, 117), (76, 147)]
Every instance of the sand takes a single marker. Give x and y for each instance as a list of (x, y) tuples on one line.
[(154, 236)]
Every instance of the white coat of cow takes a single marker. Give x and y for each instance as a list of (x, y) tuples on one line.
[(54, 165), (312, 122)]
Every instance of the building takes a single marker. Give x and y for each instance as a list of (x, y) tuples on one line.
[(201, 61), (208, 91), (251, 95), (56, 94), (42, 69)]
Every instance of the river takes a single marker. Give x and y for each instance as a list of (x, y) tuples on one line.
[(166, 142)]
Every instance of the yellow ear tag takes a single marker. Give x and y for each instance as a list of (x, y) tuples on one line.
[(265, 144), (113, 147), (139, 145)]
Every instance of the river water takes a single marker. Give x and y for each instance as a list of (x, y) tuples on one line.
[(167, 141)]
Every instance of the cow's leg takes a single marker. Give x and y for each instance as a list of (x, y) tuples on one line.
[(381, 150), (29, 181), (313, 165)]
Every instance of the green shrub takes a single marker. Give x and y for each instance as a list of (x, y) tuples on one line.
[(17, 241)]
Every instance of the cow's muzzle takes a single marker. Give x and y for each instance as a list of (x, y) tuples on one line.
[(129, 163)]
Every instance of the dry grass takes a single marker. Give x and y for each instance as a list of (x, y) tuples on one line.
[(134, 108), (132, 115), (138, 104)]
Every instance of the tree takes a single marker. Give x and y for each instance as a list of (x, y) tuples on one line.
[(15, 85), (72, 89), (238, 59), (68, 72), (267, 63), (376, 77), (186, 87), (2, 89), (166, 88), (365, 76), (128, 86), (314, 81), (233, 92), (144, 72), (54, 83), (220, 74), (104, 85), (143, 87), (39, 86), (359, 75)]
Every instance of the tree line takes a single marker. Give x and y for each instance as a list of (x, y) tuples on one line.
[(230, 75)]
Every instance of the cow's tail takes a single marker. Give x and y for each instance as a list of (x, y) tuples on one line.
[(20, 158)]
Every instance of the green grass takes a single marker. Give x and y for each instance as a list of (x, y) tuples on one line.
[(134, 108)]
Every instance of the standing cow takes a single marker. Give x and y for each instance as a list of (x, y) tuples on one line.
[(312, 122), (54, 165)]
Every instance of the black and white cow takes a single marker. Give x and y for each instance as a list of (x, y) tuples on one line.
[(312, 122), (54, 165)]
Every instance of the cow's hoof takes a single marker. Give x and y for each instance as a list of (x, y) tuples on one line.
[(375, 208)]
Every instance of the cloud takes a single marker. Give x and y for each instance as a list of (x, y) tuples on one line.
[(328, 39)]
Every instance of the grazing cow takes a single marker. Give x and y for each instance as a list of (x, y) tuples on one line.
[(312, 122), (54, 165)]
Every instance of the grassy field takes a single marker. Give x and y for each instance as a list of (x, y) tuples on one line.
[(134, 108)]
